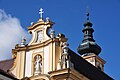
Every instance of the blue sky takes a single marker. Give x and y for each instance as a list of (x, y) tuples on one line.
[(69, 16)]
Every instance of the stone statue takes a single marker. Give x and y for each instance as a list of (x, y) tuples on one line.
[(38, 65), (39, 36), (23, 42), (65, 48), (52, 33), (64, 57)]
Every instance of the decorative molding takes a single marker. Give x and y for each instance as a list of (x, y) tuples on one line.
[(39, 77), (38, 45), (67, 73)]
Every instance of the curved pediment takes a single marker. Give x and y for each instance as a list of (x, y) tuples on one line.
[(39, 31), (40, 22)]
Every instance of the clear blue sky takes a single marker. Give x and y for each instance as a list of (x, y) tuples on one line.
[(69, 16)]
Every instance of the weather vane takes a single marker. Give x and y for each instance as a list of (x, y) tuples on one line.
[(41, 12)]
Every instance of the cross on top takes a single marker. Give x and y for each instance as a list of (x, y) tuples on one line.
[(41, 12)]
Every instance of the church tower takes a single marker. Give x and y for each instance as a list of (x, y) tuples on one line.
[(88, 49)]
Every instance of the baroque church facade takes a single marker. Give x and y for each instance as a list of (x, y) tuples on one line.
[(48, 56)]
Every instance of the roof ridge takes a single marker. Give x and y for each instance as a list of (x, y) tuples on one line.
[(5, 60)]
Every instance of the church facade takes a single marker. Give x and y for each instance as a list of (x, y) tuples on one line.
[(48, 56)]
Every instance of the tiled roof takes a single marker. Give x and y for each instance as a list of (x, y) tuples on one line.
[(87, 69), (6, 64), (7, 75)]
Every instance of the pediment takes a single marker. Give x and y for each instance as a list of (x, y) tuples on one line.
[(40, 31)]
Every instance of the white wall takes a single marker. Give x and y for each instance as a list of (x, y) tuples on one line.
[(46, 59), (28, 66)]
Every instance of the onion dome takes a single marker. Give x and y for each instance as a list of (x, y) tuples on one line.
[(88, 45)]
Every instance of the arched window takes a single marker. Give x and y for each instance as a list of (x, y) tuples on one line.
[(37, 64)]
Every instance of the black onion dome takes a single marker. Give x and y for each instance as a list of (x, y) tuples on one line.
[(88, 44), (89, 47)]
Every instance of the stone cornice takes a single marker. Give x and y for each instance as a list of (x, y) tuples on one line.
[(69, 72), (40, 23), (38, 45)]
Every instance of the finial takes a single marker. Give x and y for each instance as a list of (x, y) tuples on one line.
[(41, 12), (32, 23), (23, 42), (87, 13), (47, 19)]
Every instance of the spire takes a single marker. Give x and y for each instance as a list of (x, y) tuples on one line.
[(88, 30), (87, 14), (88, 45)]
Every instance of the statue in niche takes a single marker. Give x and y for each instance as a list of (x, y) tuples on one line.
[(39, 36), (38, 65)]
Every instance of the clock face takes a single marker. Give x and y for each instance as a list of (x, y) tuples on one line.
[(39, 36)]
